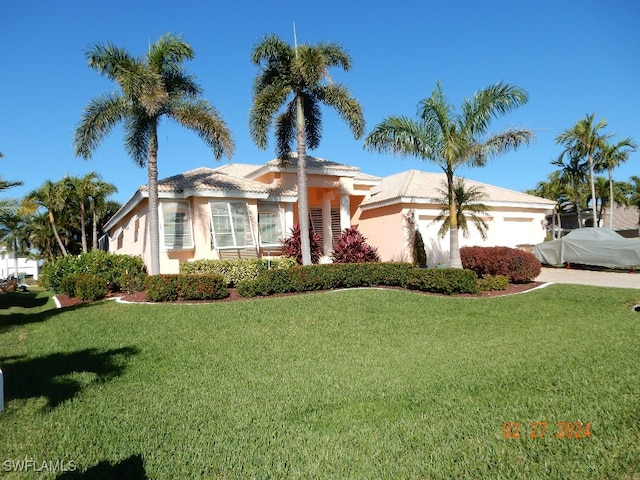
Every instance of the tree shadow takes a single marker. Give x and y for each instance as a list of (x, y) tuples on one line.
[(131, 468), (50, 375), (19, 318), (22, 299)]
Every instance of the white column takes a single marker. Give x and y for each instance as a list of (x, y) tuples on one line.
[(288, 219), (345, 211), (327, 236)]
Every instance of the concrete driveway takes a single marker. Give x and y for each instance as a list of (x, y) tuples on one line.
[(620, 279)]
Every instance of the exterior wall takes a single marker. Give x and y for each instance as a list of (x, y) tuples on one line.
[(386, 229), (133, 229), (390, 229)]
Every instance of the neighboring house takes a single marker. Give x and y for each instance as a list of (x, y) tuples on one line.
[(244, 211), (626, 220), (27, 267)]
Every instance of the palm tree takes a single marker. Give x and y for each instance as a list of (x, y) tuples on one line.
[(13, 232), (451, 139), (52, 196), (150, 88), (296, 81), (80, 188), (611, 156), (468, 201), (555, 190), (572, 175), (98, 206), (584, 140)]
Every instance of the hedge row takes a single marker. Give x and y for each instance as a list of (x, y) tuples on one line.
[(234, 271), (518, 265), (85, 286), (326, 277), (168, 288), (118, 272)]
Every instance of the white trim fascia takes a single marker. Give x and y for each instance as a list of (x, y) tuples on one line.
[(224, 194), (124, 210), (429, 201)]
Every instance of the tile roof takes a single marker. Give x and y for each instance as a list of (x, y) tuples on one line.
[(209, 179), (624, 218), (418, 186)]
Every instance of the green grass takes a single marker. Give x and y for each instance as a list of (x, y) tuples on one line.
[(347, 384)]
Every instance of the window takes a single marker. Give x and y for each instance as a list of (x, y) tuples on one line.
[(176, 225), (270, 225), (231, 225)]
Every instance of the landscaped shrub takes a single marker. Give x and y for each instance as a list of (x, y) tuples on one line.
[(234, 271), (448, 281), (84, 286), (167, 288), (518, 265), (493, 282), (292, 248), (351, 247), (419, 253), (108, 266), (325, 277)]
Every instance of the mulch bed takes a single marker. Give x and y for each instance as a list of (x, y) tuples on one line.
[(234, 296)]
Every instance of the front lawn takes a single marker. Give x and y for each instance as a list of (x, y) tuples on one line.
[(341, 384)]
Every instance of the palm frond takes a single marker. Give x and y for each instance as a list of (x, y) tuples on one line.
[(312, 120), (285, 131), (98, 119), (338, 97), (204, 119), (265, 105), (491, 102)]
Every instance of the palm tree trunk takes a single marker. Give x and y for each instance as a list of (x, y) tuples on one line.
[(152, 213), (56, 234), (610, 199), (83, 229), (303, 192), (454, 245), (593, 191), (94, 235)]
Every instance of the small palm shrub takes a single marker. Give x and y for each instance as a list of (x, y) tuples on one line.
[(292, 246), (351, 247), (518, 265)]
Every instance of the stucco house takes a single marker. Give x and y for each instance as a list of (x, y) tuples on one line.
[(244, 210)]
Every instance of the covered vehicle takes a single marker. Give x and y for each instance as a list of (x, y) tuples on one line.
[(591, 246)]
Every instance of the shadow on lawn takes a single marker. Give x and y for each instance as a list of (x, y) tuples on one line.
[(131, 468), (22, 299), (50, 375), (29, 300)]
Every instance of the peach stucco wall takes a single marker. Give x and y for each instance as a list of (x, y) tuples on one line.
[(385, 230)]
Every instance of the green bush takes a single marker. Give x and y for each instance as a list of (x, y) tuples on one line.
[(234, 271), (448, 281), (493, 282), (84, 286), (112, 268), (167, 288), (325, 277)]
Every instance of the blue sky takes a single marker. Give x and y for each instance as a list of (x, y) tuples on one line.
[(573, 58)]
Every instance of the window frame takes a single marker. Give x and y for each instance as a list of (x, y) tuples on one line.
[(188, 223), (277, 211), (247, 223)]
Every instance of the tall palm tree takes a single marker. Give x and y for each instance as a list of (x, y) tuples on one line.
[(468, 200), (295, 81), (152, 87), (80, 188), (451, 139), (52, 196), (611, 156), (584, 140)]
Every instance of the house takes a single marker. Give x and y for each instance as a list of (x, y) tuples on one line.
[(26, 267), (244, 210)]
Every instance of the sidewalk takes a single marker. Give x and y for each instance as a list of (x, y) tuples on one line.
[(620, 279)]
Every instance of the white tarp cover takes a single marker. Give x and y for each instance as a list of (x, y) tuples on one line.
[(590, 246)]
